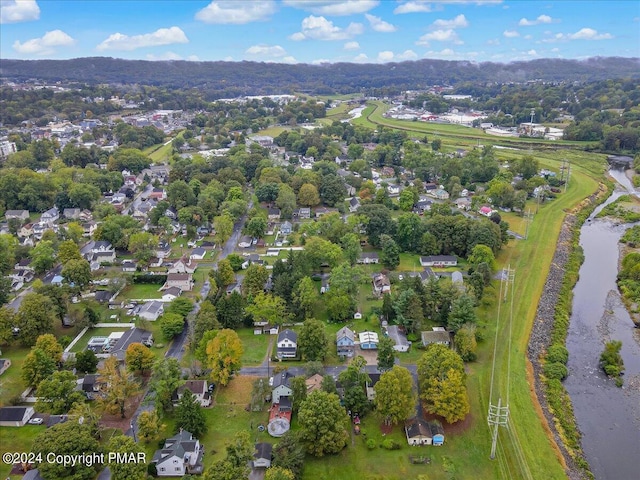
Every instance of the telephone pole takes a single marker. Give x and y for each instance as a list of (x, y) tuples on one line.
[(566, 183), (528, 217)]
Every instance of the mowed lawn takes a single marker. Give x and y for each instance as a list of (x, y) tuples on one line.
[(17, 439), (254, 346), (141, 291)]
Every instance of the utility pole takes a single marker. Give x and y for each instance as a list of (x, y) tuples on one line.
[(498, 417), (566, 183), (528, 217), (510, 278)]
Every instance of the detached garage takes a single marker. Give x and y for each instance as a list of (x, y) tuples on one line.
[(15, 416)]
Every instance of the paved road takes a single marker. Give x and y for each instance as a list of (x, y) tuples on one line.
[(267, 371), (138, 199)]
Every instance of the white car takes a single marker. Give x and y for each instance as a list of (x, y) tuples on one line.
[(36, 421)]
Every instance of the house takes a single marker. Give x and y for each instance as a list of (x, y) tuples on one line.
[(89, 228), (50, 216), (103, 296), (245, 241), (197, 253), (184, 281), (182, 266), (128, 266), (370, 384), (441, 194), (368, 257), (151, 311), (456, 279), (418, 432), (89, 386), (170, 294), (101, 246), (368, 340), (485, 210), (286, 228), (287, 344), (21, 215), (15, 416), (158, 194), (26, 230), (439, 261), (399, 338), (262, 455), (182, 454), (273, 214), (200, 390), (33, 474), (251, 258), (272, 252), (463, 203), (5, 363), (321, 211), (155, 262), (281, 387), (71, 213), (440, 336), (393, 189), (163, 250), (354, 204), (381, 284), (304, 212), (346, 342), (24, 265), (133, 335), (422, 206), (104, 257), (314, 383)]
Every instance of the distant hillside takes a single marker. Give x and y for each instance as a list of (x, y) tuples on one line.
[(235, 78)]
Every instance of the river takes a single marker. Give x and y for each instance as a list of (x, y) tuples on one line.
[(608, 416)]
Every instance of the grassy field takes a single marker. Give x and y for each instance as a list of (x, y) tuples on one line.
[(140, 290), (10, 380), (255, 346), (273, 131), (17, 439), (159, 153)]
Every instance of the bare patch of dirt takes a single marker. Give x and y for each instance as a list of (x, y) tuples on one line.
[(386, 429), (116, 421), (457, 428)]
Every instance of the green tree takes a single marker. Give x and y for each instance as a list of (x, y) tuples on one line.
[(8, 245), (117, 229), (73, 231), (224, 274), (223, 225), (126, 470), (57, 393), (256, 227), (236, 463), (611, 360), (289, 453), (224, 354), (180, 194), (322, 422), (351, 248), (36, 367), (49, 344), (268, 308), (406, 200), (298, 391), (171, 325), (138, 358), (143, 246), (390, 256), (68, 250), (34, 318), (462, 311), (83, 195), (190, 416), (279, 473), (308, 195), (286, 200), (305, 297), (68, 438), (260, 392), (166, 378), (340, 306), (86, 361), (77, 272), (206, 320), (482, 254), (149, 426), (332, 190), (465, 342), (118, 388), (312, 340), (254, 280), (43, 256), (7, 323), (181, 306), (386, 354), (395, 397)]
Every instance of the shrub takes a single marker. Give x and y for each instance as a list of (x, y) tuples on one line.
[(555, 370), (371, 444), (390, 444), (557, 354)]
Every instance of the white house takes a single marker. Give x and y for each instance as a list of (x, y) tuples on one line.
[(50, 216), (381, 284), (262, 455), (287, 344), (181, 455), (197, 253), (245, 242), (200, 390), (151, 310), (128, 266), (281, 386), (170, 294), (183, 281), (368, 257), (15, 416), (19, 214), (439, 261)]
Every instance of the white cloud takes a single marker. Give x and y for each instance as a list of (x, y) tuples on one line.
[(164, 56), (528, 37), (449, 35), (385, 56), (458, 22), (407, 55), (589, 34), (510, 33), (319, 28), (426, 6), (541, 19), (351, 46), (447, 52), (555, 50), (162, 36), (413, 7), (380, 25), (288, 59), (333, 8), (228, 58), (237, 12), (44, 45), (15, 11), (493, 41), (266, 51), (532, 53), (361, 58)]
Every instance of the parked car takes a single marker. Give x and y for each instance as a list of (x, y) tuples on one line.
[(36, 421)]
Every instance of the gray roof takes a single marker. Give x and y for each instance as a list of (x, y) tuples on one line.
[(288, 334), (134, 335), (151, 307), (282, 379), (263, 450), (345, 332), (12, 414)]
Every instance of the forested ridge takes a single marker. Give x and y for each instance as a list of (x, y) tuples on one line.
[(225, 79)]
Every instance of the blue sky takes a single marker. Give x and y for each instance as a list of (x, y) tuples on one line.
[(314, 31)]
